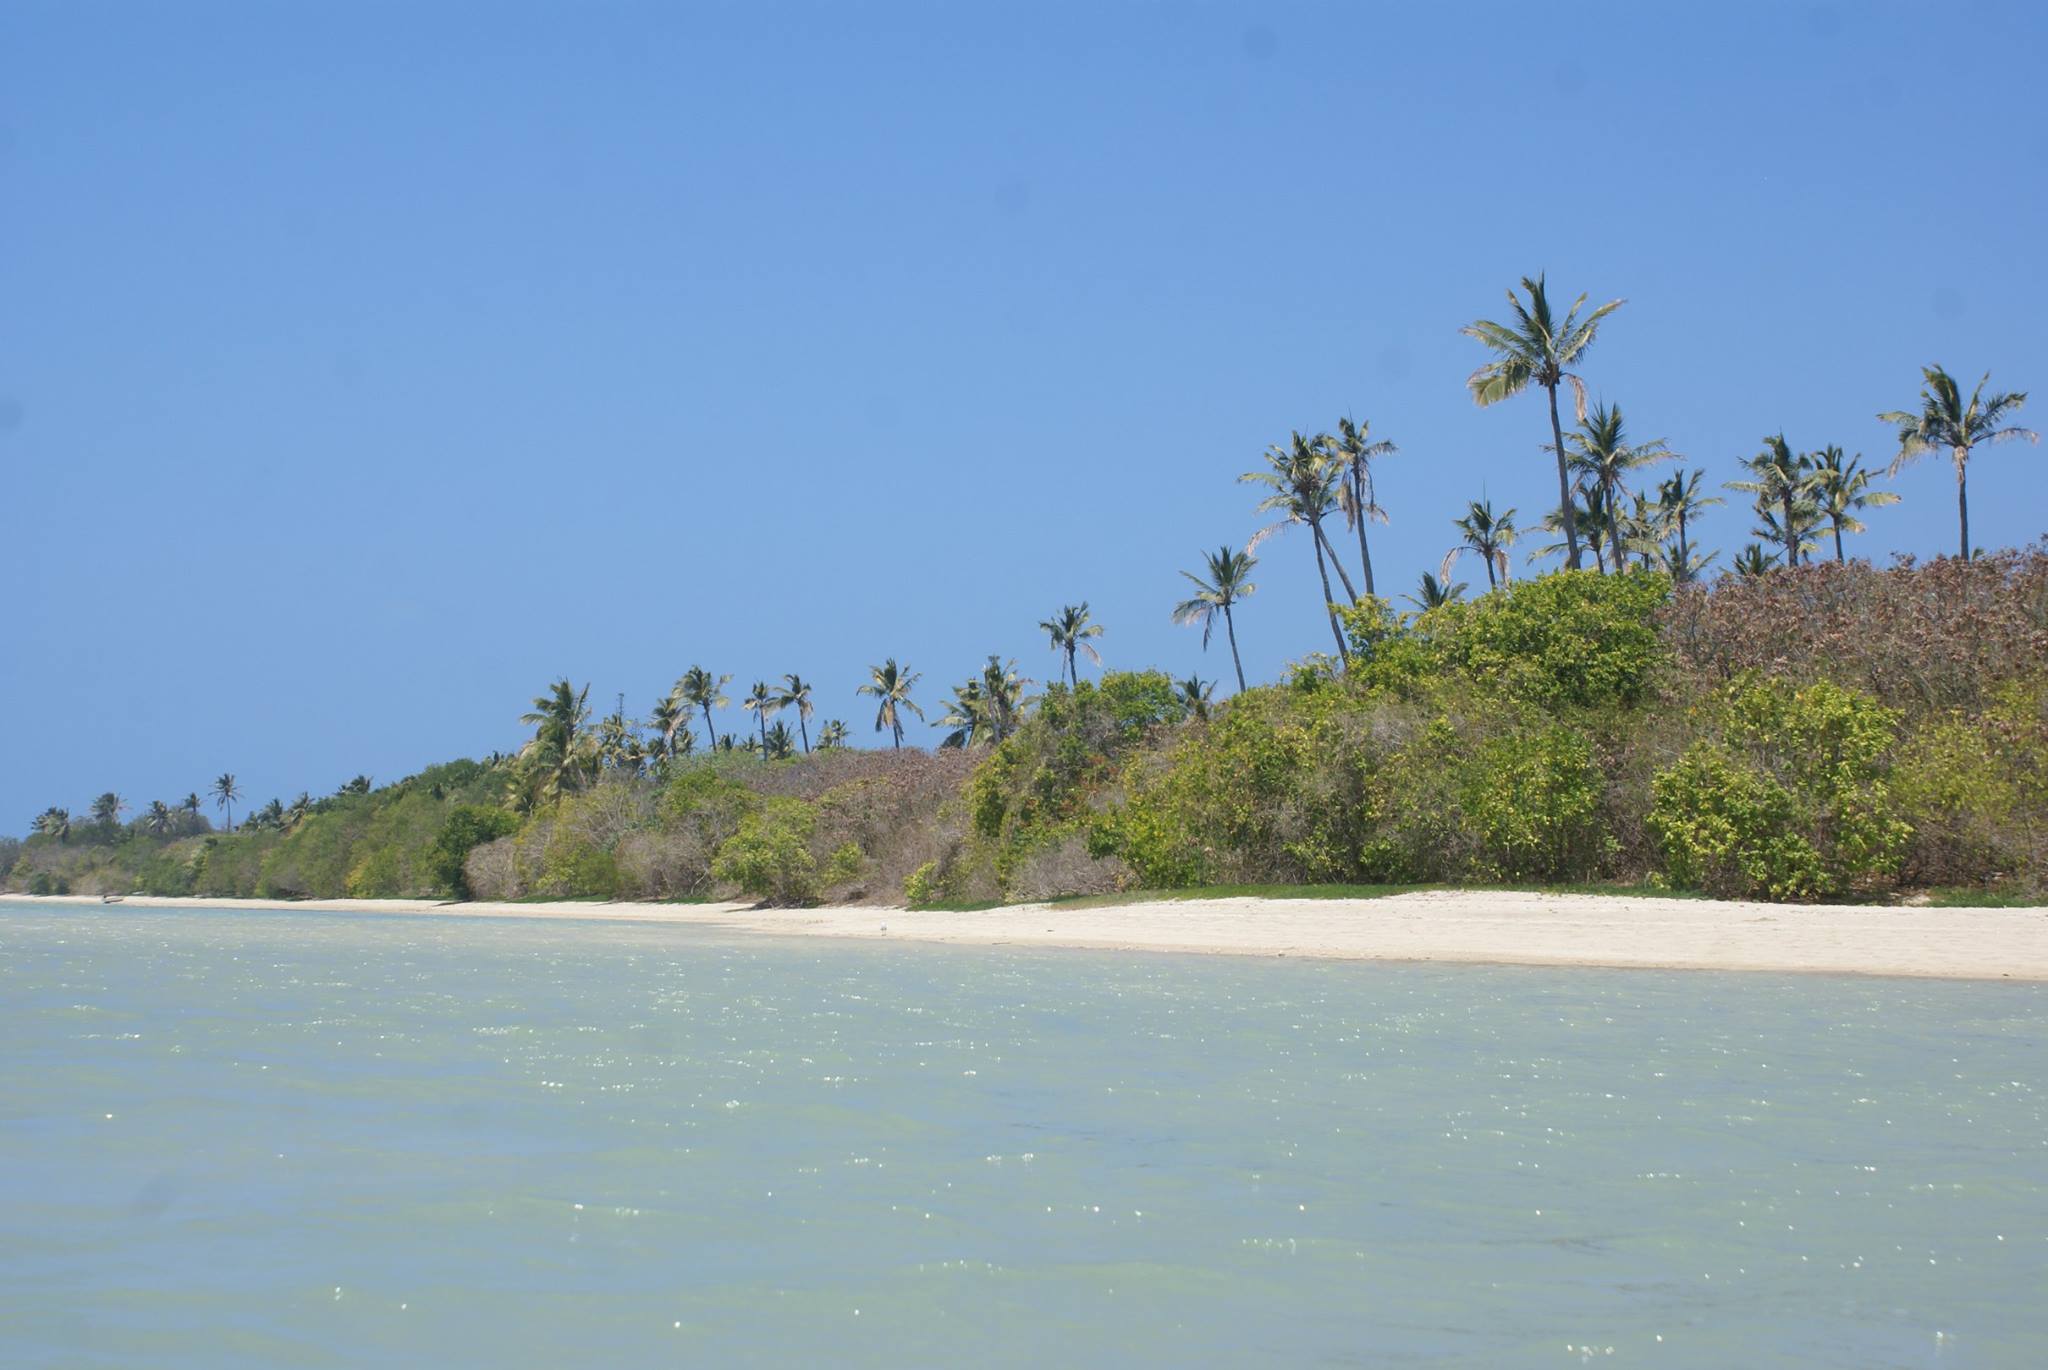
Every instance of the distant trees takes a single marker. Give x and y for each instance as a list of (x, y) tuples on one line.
[(1485, 532), (796, 694), (1604, 460), (225, 793), (1841, 487), (1538, 348), (702, 690), (1352, 452), (1227, 582), (1071, 631), (1303, 487), (890, 685), (1946, 422), (1782, 482)]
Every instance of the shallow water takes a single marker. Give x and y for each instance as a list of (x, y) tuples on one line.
[(233, 1139)]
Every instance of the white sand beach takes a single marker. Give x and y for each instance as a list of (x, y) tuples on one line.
[(1503, 927)]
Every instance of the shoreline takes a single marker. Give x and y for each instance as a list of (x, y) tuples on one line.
[(1458, 926)]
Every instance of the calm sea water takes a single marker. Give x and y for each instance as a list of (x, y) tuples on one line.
[(233, 1139)]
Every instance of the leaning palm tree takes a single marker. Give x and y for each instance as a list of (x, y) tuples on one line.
[(1782, 482), (225, 793), (833, 734), (891, 685), (1432, 593), (1487, 533), (761, 702), (703, 690), (1604, 457), (1841, 486), (1539, 349), (1353, 451), (796, 694), (1069, 632), (1193, 695), (1303, 481), (156, 819), (1228, 582), (1946, 423), (1680, 502)]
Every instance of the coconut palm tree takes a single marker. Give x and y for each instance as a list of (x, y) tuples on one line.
[(107, 809), (1069, 632), (777, 744), (1539, 349), (1303, 481), (1753, 560), (1229, 581), (965, 716), (1782, 482), (1841, 486), (361, 784), (1003, 696), (1603, 456), (1432, 593), (1193, 695), (1487, 533), (891, 685), (796, 694), (1353, 450), (156, 819), (563, 750), (225, 793), (54, 822), (833, 734), (669, 720), (1679, 500), (298, 811), (699, 688), (1590, 515), (190, 804), (1946, 423), (761, 702)]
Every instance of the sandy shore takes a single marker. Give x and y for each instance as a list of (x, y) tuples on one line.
[(1466, 926)]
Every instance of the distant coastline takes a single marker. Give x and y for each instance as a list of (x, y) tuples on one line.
[(1463, 926)]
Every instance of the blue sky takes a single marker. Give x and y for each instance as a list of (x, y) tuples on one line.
[(363, 367)]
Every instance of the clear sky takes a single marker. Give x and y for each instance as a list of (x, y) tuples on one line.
[(365, 366)]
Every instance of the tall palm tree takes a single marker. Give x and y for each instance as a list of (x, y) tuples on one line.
[(1432, 593), (796, 694), (190, 804), (1003, 696), (1303, 481), (1069, 632), (1680, 501), (1228, 582), (761, 702), (1603, 456), (1782, 482), (1945, 422), (563, 751), (1193, 695), (156, 819), (225, 793), (1354, 450), (669, 720), (1487, 533), (699, 688), (891, 685), (1539, 349), (1841, 486), (107, 809), (833, 734)]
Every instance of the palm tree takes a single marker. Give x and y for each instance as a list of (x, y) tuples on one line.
[(190, 804), (1303, 481), (1434, 594), (156, 819), (1782, 482), (777, 744), (760, 702), (225, 793), (107, 809), (705, 691), (562, 749), (965, 716), (1193, 694), (1753, 560), (891, 684), (1588, 513), (1487, 533), (1841, 486), (1069, 633), (1603, 457), (1002, 696), (833, 734), (1353, 451), (669, 720), (1229, 581), (1679, 500), (1538, 349), (54, 822), (361, 784), (300, 810), (796, 694), (1945, 422)]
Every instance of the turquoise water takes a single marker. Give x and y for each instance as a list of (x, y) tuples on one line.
[(232, 1139)]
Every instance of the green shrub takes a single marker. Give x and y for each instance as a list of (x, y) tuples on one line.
[(921, 887), (1974, 785), (847, 864), (1533, 802), (769, 857), (468, 826), (1788, 799)]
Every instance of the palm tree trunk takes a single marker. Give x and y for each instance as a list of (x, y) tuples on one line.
[(1684, 556), (1486, 555), (1328, 607), (1791, 536), (805, 729), (1230, 629), (1564, 486), (1839, 557), (1073, 673), (1364, 552), (710, 727), (1331, 547), (1963, 496)]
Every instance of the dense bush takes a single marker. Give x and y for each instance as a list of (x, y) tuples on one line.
[(770, 856), (1974, 785)]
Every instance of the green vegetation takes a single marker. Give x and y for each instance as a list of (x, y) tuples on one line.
[(1795, 728)]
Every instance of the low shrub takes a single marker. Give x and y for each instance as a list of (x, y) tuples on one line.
[(769, 857)]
